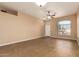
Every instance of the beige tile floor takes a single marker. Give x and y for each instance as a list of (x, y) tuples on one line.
[(43, 47)]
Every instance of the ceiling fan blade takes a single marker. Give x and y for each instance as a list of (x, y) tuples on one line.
[(53, 17)]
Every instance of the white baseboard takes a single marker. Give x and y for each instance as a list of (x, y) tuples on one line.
[(30, 39), (64, 38), (20, 41)]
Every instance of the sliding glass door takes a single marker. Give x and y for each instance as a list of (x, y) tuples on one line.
[(64, 28)]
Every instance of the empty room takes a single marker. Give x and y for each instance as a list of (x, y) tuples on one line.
[(36, 29)]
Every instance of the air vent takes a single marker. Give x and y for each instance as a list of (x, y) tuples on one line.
[(9, 11)]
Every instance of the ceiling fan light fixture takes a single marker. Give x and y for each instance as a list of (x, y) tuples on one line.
[(48, 17)]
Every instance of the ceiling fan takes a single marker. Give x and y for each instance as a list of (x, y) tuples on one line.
[(51, 14)]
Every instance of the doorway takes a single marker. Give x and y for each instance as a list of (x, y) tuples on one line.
[(47, 28)]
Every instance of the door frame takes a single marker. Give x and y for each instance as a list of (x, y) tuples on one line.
[(70, 28)]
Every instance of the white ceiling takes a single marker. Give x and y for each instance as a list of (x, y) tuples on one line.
[(61, 8)]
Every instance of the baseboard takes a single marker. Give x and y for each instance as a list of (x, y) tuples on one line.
[(62, 38), (35, 38), (20, 41)]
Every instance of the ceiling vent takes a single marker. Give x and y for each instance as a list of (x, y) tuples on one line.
[(9, 11)]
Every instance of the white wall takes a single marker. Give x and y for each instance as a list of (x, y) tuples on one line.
[(19, 28)]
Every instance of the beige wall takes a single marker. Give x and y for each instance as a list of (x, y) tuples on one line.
[(19, 28), (73, 19), (78, 27)]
